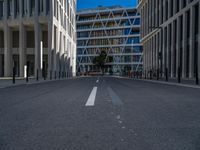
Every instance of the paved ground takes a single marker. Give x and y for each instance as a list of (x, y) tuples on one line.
[(8, 82), (121, 114)]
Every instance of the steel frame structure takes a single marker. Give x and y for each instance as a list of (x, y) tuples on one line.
[(113, 29)]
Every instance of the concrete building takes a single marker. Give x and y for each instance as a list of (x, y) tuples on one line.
[(114, 30), (170, 31), (40, 34)]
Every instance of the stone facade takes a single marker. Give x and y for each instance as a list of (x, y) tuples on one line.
[(29, 26)]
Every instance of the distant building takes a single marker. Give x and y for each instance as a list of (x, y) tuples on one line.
[(111, 29), (28, 25), (170, 32)]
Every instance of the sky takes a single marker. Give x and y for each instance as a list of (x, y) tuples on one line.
[(83, 4)]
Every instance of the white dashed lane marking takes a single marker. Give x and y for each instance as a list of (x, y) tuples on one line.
[(91, 99)]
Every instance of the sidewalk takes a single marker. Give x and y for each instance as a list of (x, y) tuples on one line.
[(172, 81), (185, 83), (8, 82)]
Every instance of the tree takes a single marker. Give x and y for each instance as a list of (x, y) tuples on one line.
[(99, 61)]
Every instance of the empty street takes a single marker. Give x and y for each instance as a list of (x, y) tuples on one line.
[(99, 113)]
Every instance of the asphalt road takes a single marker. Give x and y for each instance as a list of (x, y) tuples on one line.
[(99, 113)]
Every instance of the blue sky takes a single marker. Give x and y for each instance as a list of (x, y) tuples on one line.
[(82, 4)]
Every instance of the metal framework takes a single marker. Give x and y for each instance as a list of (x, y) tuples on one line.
[(111, 29)]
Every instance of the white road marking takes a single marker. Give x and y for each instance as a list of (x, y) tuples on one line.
[(97, 81), (91, 99)]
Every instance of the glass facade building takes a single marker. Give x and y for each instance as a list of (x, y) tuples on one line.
[(111, 29)]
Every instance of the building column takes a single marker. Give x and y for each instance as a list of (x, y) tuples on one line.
[(58, 67), (28, 8), (154, 52), (38, 56), (199, 45), (184, 45), (50, 48), (157, 51), (192, 42), (160, 50), (178, 44), (13, 10), (45, 7), (61, 51), (55, 53), (7, 51), (173, 48), (164, 10), (168, 46), (151, 54), (164, 49), (22, 49), (169, 8)]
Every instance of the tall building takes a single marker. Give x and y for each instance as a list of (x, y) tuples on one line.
[(170, 31), (38, 34), (114, 30)]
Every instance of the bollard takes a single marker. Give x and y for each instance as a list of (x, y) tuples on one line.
[(179, 75), (27, 74), (44, 75), (150, 74), (197, 75), (166, 74), (37, 78), (50, 75), (158, 74), (13, 75)]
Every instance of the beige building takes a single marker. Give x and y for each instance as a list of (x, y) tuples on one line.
[(37, 33), (170, 31)]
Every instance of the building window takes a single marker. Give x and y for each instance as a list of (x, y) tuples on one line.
[(184, 3), (32, 7), (9, 8), (48, 6), (16, 8), (1, 9)]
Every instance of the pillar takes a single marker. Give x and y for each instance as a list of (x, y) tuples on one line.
[(157, 50), (184, 45), (37, 29), (22, 49), (199, 45), (168, 46), (173, 48), (178, 45), (7, 51), (192, 42), (164, 50), (45, 7), (50, 47), (55, 51)]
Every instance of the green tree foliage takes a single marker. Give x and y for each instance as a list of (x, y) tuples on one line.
[(99, 61)]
